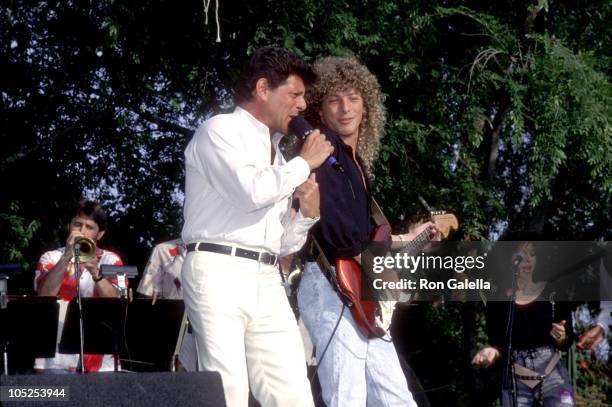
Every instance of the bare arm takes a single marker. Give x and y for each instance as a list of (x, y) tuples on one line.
[(103, 286), (52, 282)]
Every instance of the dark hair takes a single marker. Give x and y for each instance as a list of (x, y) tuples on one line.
[(274, 64), (501, 256), (93, 210)]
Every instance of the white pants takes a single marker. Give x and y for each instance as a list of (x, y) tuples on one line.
[(245, 329), (355, 371)]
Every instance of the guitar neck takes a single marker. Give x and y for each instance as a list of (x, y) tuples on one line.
[(417, 244)]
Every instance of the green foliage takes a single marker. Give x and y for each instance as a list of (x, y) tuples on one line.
[(570, 117), (593, 367), (16, 234), (497, 111)]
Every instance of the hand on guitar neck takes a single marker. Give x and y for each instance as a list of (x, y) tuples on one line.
[(433, 233), (373, 317), (428, 230)]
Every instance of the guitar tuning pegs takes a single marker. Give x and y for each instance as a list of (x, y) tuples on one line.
[(434, 213)]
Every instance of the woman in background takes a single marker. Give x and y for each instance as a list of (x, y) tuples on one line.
[(541, 328)]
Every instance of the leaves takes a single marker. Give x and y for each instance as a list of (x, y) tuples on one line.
[(497, 111)]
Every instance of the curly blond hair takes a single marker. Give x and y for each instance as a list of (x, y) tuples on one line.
[(341, 73)]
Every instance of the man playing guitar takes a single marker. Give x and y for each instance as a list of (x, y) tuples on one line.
[(354, 369)]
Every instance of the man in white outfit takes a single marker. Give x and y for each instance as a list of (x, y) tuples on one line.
[(238, 191)]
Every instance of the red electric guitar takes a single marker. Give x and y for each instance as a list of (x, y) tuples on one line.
[(374, 317)]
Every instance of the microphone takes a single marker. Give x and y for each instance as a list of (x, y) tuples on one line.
[(517, 260), (301, 128)]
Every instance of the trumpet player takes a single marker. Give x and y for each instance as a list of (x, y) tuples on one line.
[(56, 276)]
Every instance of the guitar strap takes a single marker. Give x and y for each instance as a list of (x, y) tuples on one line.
[(377, 214), (322, 261), (327, 269)]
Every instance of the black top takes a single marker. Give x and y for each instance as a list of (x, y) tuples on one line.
[(345, 226), (532, 323)]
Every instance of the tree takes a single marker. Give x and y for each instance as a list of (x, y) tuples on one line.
[(498, 111)]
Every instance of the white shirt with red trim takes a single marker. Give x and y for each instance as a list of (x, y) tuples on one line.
[(67, 291), (162, 275), (162, 279)]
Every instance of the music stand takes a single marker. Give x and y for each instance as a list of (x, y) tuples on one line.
[(5, 271), (152, 334), (142, 334), (103, 321), (121, 273), (28, 328), (106, 323)]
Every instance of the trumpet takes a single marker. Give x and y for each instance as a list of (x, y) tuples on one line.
[(87, 248)]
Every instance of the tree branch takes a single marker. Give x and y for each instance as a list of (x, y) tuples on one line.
[(163, 123), (56, 135), (492, 137), (534, 11)]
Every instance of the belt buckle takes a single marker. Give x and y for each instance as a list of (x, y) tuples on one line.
[(245, 253), (271, 259), (258, 256), (262, 258)]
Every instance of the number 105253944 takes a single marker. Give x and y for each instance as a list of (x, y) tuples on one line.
[(27, 393)]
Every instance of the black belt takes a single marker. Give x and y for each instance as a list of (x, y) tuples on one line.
[(262, 257)]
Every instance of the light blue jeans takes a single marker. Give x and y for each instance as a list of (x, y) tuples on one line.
[(355, 371), (556, 389)]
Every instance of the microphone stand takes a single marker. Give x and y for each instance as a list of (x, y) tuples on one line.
[(508, 373), (3, 310), (77, 265), (123, 301)]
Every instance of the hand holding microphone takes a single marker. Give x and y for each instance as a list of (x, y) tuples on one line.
[(316, 149)]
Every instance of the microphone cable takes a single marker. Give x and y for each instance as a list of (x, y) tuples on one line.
[(328, 342)]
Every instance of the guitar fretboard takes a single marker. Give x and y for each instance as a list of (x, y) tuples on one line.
[(417, 244)]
